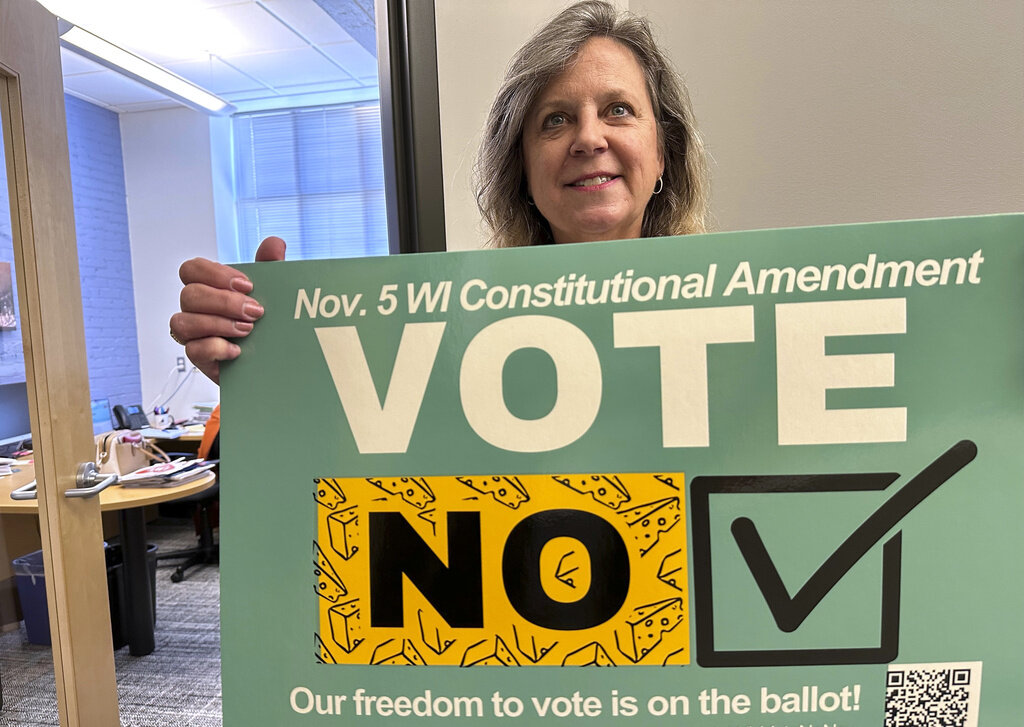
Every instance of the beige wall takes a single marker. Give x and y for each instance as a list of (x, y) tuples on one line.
[(171, 217), (813, 112)]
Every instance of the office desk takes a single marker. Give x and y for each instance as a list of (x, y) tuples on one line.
[(130, 503)]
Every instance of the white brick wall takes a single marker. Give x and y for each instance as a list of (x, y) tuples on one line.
[(104, 252), (104, 256)]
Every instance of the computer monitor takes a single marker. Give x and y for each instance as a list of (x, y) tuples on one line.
[(15, 426), (101, 419)]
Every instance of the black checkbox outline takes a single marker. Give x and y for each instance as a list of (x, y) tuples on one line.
[(707, 655), (787, 613)]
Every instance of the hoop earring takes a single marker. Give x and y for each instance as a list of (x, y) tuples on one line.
[(529, 201), (659, 185)]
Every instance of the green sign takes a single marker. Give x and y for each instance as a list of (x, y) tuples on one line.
[(763, 478)]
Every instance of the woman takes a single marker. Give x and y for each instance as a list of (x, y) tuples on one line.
[(591, 137), (563, 61)]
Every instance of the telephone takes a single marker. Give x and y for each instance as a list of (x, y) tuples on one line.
[(130, 417)]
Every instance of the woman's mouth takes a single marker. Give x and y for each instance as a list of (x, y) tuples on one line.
[(594, 181)]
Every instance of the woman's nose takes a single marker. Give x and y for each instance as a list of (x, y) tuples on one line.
[(589, 137)]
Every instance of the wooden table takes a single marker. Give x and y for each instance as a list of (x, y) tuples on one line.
[(130, 503)]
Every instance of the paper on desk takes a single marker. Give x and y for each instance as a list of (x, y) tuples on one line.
[(160, 433), (167, 474)]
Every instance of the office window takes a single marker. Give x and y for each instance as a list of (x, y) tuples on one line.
[(313, 177)]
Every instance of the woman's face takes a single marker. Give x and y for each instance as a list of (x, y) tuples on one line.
[(590, 146)]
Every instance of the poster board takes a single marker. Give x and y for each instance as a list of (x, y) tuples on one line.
[(773, 477)]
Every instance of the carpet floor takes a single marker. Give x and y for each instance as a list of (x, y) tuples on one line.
[(178, 684)]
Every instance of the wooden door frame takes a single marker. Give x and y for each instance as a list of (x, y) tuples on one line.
[(49, 293)]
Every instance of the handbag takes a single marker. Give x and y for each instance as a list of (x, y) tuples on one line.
[(124, 450)]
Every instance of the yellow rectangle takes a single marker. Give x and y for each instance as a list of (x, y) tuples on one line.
[(580, 569)]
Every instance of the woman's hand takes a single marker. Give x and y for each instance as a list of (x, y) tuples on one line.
[(216, 306)]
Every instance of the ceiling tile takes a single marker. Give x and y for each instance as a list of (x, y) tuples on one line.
[(216, 76), (262, 31), (308, 19), (73, 64), (353, 58), (287, 67), (357, 17)]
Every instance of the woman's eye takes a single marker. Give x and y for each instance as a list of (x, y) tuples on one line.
[(620, 109), (554, 120)]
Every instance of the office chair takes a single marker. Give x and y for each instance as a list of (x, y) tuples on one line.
[(204, 509), (207, 551)]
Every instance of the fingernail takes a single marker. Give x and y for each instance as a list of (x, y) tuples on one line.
[(235, 350), (253, 310), (243, 326), (242, 285)]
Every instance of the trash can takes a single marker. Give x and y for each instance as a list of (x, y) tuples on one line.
[(30, 578), (117, 590)]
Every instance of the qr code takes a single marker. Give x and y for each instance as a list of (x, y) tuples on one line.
[(933, 695)]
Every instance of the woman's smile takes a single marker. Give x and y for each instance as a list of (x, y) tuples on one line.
[(594, 182)]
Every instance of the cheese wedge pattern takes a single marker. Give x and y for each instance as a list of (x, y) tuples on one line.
[(592, 654), (432, 633), (668, 480), (680, 657), (672, 569), (328, 583), (492, 653), (343, 531), (509, 491), (397, 651), (528, 646), (646, 626), (413, 490), (605, 489), (328, 492), (323, 654), (648, 522), (346, 625), (646, 510), (429, 516)]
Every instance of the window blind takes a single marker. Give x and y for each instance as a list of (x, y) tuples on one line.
[(314, 177)]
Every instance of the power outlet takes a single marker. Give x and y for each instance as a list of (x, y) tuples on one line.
[(181, 363)]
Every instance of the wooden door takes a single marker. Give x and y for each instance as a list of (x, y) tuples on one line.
[(46, 261)]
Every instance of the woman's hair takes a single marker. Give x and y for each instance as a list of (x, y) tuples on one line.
[(501, 192)]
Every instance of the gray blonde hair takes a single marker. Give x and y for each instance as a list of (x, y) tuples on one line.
[(500, 180)]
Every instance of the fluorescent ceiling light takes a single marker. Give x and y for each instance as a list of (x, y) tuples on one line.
[(118, 59), (179, 29)]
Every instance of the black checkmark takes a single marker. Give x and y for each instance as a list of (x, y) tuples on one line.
[(788, 612)]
